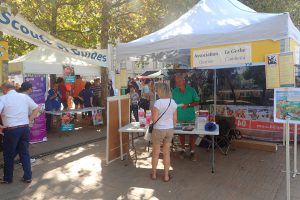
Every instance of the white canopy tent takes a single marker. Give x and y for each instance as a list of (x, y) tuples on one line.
[(213, 22), (48, 61)]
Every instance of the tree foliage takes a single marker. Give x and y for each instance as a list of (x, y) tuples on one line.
[(95, 23)]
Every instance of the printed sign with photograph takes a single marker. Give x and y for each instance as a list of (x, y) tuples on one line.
[(67, 122), (287, 105), (69, 73), (97, 117)]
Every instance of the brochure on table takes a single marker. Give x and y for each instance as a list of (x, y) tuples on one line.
[(287, 105)]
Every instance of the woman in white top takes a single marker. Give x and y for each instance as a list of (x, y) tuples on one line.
[(163, 129)]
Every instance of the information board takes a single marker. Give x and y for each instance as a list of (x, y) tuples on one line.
[(286, 70), (272, 71), (287, 105), (280, 70)]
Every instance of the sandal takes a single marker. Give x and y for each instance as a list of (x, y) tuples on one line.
[(152, 177), (167, 180)]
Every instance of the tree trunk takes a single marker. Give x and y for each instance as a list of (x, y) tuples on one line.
[(53, 18), (104, 38), (104, 23)]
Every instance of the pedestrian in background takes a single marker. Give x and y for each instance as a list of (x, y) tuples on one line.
[(86, 95), (96, 87), (63, 92), (77, 87), (52, 103), (134, 100)]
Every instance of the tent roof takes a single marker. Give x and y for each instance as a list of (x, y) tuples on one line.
[(48, 61), (213, 22), (147, 73), (50, 56), (151, 74)]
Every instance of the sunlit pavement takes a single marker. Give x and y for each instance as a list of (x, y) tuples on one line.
[(81, 173)]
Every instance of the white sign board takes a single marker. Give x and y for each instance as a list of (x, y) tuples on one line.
[(230, 55)]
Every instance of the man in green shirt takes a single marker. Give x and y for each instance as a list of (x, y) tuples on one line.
[(186, 98)]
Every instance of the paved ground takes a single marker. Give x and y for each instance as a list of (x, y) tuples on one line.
[(60, 140), (81, 173)]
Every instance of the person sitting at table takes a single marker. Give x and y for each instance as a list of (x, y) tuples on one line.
[(164, 117), (52, 104), (188, 98), (86, 95)]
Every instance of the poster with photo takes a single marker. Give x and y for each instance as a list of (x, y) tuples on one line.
[(69, 73), (287, 105), (97, 117), (67, 122), (38, 131)]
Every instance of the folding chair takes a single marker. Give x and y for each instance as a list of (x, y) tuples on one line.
[(227, 132)]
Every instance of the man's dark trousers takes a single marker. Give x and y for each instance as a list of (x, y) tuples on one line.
[(16, 141)]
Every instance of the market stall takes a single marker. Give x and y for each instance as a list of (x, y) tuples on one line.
[(230, 38), (227, 35), (36, 67)]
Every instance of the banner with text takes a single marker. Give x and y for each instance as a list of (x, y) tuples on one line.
[(230, 55), (258, 118), (38, 132), (20, 28)]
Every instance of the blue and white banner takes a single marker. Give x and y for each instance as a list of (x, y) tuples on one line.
[(19, 27)]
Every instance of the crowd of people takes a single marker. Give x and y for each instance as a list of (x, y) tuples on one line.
[(171, 107), (142, 95), (17, 120), (84, 94)]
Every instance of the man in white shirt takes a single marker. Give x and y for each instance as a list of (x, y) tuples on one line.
[(15, 108)]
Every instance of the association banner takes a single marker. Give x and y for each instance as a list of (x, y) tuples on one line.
[(230, 55), (20, 28), (38, 131), (258, 118)]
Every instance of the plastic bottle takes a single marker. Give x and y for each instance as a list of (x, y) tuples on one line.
[(148, 117), (142, 119)]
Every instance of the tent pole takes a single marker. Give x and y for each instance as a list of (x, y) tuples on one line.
[(215, 93)]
